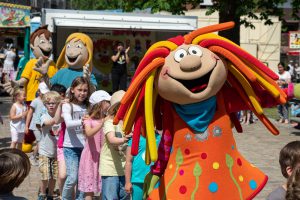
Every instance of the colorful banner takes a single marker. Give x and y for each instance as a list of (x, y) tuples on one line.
[(294, 39), (13, 15)]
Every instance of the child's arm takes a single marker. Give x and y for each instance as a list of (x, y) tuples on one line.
[(67, 115), (110, 136), (28, 119), (54, 120), (128, 170), (89, 131), (57, 117), (12, 113)]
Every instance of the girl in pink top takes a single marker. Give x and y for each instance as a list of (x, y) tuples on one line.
[(89, 180)]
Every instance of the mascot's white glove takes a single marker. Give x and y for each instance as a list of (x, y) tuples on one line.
[(42, 67), (86, 72), (9, 85)]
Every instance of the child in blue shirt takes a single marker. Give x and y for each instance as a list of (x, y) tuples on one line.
[(136, 168)]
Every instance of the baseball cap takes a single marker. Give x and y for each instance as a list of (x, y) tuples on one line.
[(99, 96), (43, 88)]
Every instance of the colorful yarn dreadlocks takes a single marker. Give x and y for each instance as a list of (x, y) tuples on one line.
[(247, 76)]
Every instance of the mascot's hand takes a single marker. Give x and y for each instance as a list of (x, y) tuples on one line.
[(86, 71), (42, 67), (149, 183), (9, 86)]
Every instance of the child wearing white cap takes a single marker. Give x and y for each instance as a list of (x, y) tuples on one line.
[(89, 180), (33, 117)]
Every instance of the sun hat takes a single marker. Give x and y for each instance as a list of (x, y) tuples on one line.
[(115, 100), (43, 88), (99, 96)]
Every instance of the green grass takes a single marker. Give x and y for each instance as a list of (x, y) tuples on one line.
[(271, 112)]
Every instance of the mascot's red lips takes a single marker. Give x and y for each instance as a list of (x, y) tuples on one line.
[(198, 88)]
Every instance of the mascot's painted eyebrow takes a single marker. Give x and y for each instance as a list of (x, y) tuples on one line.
[(248, 85)]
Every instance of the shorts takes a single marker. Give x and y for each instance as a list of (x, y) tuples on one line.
[(48, 168), (29, 138), (17, 137), (60, 154), (37, 135)]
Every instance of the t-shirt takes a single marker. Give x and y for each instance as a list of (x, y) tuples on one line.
[(284, 77), (111, 161), (38, 106), (139, 167), (120, 64), (33, 78), (277, 194), (48, 142), (74, 136), (66, 76)]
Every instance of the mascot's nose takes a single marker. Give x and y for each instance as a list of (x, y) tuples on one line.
[(190, 63)]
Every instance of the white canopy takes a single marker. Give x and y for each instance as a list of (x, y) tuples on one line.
[(111, 20)]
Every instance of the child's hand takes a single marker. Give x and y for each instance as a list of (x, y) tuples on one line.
[(26, 130), (65, 101), (128, 188), (24, 114), (127, 137)]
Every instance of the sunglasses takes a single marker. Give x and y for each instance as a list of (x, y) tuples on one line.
[(49, 103)]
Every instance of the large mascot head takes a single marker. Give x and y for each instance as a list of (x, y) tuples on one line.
[(41, 42), (77, 52), (190, 69)]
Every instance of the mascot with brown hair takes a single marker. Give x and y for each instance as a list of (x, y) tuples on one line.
[(191, 87), (41, 45)]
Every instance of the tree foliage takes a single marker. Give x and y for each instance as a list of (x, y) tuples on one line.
[(229, 10)]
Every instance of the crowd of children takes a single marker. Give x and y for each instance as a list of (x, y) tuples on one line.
[(77, 143), (78, 146)]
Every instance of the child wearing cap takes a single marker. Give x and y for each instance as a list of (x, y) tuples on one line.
[(33, 117), (112, 161), (89, 180)]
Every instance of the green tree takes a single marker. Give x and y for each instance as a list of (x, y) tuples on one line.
[(229, 10)]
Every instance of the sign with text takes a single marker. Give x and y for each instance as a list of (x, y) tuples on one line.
[(294, 39)]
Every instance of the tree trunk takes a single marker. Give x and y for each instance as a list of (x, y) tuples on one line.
[(228, 12)]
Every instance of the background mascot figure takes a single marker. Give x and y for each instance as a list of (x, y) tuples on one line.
[(75, 60), (41, 46), (191, 88)]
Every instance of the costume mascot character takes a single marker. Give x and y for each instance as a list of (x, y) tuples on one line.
[(191, 88), (75, 60), (41, 46)]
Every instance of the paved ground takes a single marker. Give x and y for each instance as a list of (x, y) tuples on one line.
[(256, 144)]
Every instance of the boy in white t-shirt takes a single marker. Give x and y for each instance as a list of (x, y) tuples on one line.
[(48, 144)]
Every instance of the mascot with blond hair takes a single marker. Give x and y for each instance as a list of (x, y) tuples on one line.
[(192, 87), (75, 60)]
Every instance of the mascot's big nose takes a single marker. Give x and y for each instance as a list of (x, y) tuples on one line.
[(190, 63)]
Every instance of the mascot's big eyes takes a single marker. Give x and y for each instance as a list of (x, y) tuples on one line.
[(78, 45), (68, 46), (50, 41), (195, 51), (42, 41), (181, 53)]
